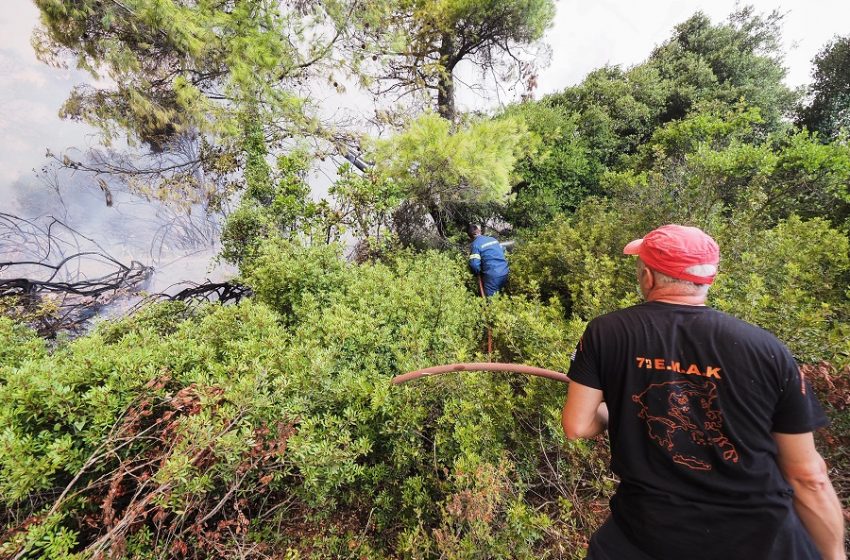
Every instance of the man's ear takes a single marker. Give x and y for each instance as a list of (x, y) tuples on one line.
[(647, 279)]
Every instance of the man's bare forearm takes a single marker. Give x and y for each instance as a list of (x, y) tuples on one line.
[(815, 500), (585, 414), (818, 507)]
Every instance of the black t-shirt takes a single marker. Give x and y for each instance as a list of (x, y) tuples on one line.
[(693, 395)]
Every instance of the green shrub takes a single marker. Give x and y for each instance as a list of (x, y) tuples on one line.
[(558, 175), (791, 280), (273, 422), (578, 260), (285, 273), (18, 343)]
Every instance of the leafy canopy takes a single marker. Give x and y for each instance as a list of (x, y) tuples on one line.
[(176, 65), (420, 42), (827, 111), (438, 168), (596, 125)]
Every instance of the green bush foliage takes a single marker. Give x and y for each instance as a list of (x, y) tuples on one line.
[(275, 419), (557, 176), (18, 343), (576, 260), (791, 280)]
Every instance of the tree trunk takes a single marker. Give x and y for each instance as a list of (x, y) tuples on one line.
[(446, 82), (446, 98), (436, 214)]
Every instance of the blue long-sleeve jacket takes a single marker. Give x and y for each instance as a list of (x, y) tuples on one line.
[(486, 257)]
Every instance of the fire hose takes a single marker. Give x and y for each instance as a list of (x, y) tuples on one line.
[(489, 331), (481, 366)]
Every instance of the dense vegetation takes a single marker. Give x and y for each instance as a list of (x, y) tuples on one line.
[(270, 429)]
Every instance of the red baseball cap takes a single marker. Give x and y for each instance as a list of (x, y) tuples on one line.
[(682, 252)]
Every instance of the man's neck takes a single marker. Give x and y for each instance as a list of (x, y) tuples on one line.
[(665, 296)]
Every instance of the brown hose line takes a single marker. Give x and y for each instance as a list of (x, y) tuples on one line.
[(481, 366), (489, 330)]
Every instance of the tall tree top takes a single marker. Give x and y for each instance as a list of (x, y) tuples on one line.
[(422, 41), (828, 107), (174, 65)]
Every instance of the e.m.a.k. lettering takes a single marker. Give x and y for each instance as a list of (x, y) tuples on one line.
[(676, 366)]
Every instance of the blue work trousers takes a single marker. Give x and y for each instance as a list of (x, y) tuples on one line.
[(493, 284)]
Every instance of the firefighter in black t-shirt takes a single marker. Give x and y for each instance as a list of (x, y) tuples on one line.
[(709, 419)]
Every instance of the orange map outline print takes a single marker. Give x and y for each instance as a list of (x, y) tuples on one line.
[(682, 417)]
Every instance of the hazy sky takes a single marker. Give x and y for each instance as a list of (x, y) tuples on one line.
[(586, 35), (589, 33)]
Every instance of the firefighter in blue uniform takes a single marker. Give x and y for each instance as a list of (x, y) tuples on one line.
[(487, 259)]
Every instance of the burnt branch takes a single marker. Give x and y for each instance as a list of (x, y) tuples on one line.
[(51, 281)]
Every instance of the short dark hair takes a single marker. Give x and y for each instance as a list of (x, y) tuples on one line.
[(473, 229)]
